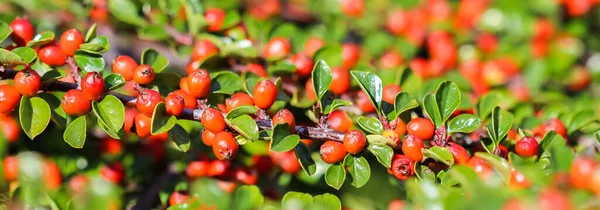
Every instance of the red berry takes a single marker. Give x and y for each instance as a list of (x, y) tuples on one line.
[(392, 135), (70, 40), (289, 163), (207, 137), (143, 74), (312, 45), (213, 120), (303, 64), (214, 18), (111, 146), (113, 173), (78, 183), (256, 69), (554, 200), (364, 103), (199, 83), (142, 125), (332, 152), (192, 66), (246, 175), (174, 104), (10, 129), (557, 126), (420, 127), (147, 101), (487, 42), (398, 22), (218, 167), (22, 31), (310, 90), (237, 100), (197, 169), (353, 8), (389, 93), (354, 141), (75, 103), (526, 147), (402, 167), (52, 177), (411, 147), (225, 146), (459, 153), (264, 94), (396, 204), (9, 98), (276, 49), (339, 121), (350, 55), (400, 127), (390, 59), (340, 81), (92, 86), (125, 66), (27, 82), (285, 116), (188, 100), (178, 198), (10, 165), (52, 55), (130, 114), (518, 179), (482, 168), (582, 172), (204, 49)]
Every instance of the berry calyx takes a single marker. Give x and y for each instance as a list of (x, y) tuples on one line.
[(52, 55), (142, 125), (143, 74), (238, 99), (9, 98), (93, 86), (70, 40), (412, 147), (147, 101), (354, 141), (420, 127), (174, 104), (276, 49), (198, 83), (125, 66), (27, 82), (213, 120), (75, 103), (527, 147), (264, 94), (332, 152), (225, 147), (285, 116), (22, 31)]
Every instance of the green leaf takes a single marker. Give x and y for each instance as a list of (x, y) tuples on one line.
[(371, 84), (431, 108), (225, 82), (561, 158), (447, 97), (424, 172), (404, 101), (8, 58), (296, 200), (114, 81), (126, 11), (153, 32), (336, 104), (499, 164), (579, 120), (464, 123), (250, 80), (75, 133), (53, 74), (232, 18), (335, 176), (379, 139), (241, 110), (5, 31), (441, 154), (34, 114), (91, 33), (244, 125), (547, 140), (283, 30), (282, 139), (161, 121), (305, 159), (153, 58), (327, 201), (281, 67), (486, 104), (110, 112), (97, 44), (502, 121), (370, 124), (383, 153), (89, 62), (118, 134), (41, 39), (331, 54), (54, 101), (248, 197), (359, 170), (321, 76), (26, 54), (180, 137)]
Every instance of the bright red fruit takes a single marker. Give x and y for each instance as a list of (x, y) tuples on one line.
[(364, 103), (213, 120), (402, 167), (459, 153), (582, 172), (70, 40), (75, 103), (340, 81), (52, 55), (178, 197), (22, 31), (114, 173), (389, 93), (198, 83), (10, 129), (142, 125), (92, 86), (312, 45), (9, 98), (218, 167), (147, 101), (353, 8), (277, 48), (285, 116), (339, 121), (143, 74), (125, 66), (10, 166), (204, 49), (237, 100), (303, 64), (188, 100), (527, 147), (354, 141), (411, 147), (27, 82), (421, 127), (225, 146), (207, 137), (197, 169), (264, 93), (214, 18), (332, 152), (174, 104), (350, 55)]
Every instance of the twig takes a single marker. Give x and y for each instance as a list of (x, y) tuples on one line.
[(74, 70), (184, 39)]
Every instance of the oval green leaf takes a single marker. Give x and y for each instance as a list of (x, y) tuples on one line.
[(321, 76), (41, 39), (114, 81), (242, 110), (34, 114), (404, 101), (464, 123), (91, 33), (225, 82), (383, 153), (335, 176), (282, 139), (359, 170), (180, 137), (89, 62), (75, 133), (8, 58), (305, 159), (447, 98), (153, 58), (440, 154), (431, 108), (370, 124), (244, 125), (161, 121), (327, 201), (502, 121), (247, 197), (126, 11), (371, 84), (110, 112), (5, 31), (27, 54)]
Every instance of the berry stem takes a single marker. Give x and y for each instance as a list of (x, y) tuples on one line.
[(74, 70)]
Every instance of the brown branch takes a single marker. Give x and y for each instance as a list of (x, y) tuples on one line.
[(74, 70), (313, 133)]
